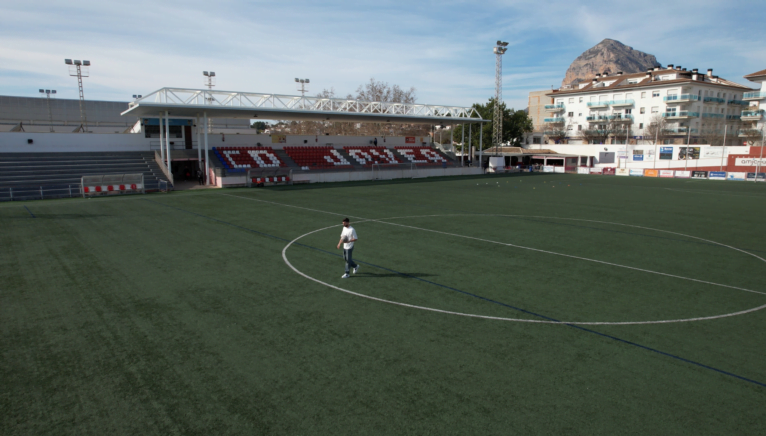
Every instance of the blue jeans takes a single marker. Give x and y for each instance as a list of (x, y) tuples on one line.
[(347, 257)]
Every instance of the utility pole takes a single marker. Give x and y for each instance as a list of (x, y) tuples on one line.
[(80, 69), (497, 119)]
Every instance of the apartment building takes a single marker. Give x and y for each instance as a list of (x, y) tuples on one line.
[(753, 122), (686, 105), (536, 104)]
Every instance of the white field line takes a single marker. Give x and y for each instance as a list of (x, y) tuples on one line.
[(545, 251), (496, 318)]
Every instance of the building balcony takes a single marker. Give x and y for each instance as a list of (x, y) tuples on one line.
[(598, 104), (712, 115), (555, 120), (622, 102), (554, 107), (733, 117), (757, 95), (752, 115), (597, 118), (680, 115), (749, 133), (683, 98), (739, 102), (621, 118), (679, 131), (714, 100)]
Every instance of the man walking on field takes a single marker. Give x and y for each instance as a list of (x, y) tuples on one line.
[(347, 238)]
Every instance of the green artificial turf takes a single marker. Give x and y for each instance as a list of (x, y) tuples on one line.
[(177, 314)]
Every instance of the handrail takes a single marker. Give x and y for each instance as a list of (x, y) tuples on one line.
[(163, 167)]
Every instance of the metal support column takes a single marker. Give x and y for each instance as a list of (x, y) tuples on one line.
[(207, 164), (162, 146), (470, 146), (199, 144), (167, 140), (481, 147), (462, 145)]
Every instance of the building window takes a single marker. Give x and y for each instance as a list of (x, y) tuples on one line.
[(628, 111), (643, 110), (571, 114), (643, 95), (580, 99), (571, 100), (655, 109), (641, 125), (579, 127), (655, 93)]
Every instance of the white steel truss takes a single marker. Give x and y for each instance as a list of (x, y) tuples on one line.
[(205, 98)]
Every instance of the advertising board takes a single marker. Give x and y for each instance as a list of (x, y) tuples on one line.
[(667, 173), (751, 177), (735, 176), (749, 161), (608, 172), (666, 153), (688, 153), (409, 139), (699, 174), (548, 169), (638, 155), (717, 175), (583, 170), (622, 172), (559, 169), (637, 172), (683, 174), (651, 173), (596, 170)]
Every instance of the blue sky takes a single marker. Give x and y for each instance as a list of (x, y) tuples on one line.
[(443, 49)]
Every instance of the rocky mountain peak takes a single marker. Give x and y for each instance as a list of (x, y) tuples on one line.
[(608, 56)]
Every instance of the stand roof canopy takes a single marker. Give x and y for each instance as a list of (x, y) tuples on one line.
[(191, 103)]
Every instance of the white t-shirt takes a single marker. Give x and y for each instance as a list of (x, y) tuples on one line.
[(350, 233)]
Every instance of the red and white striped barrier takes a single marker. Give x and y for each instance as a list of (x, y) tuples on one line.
[(111, 188), (271, 179)]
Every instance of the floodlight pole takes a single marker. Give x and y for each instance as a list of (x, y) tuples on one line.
[(758, 164), (78, 72), (497, 121), (481, 147), (48, 93), (469, 143)]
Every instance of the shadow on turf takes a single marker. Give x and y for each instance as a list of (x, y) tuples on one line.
[(388, 275)]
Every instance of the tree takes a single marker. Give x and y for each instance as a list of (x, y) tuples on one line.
[(515, 125), (556, 133), (259, 126), (712, 135), (657, 130), (381, 91)]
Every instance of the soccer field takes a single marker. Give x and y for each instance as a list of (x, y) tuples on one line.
[(509, 304)]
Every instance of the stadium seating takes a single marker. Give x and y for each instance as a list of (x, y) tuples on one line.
[(422, 155), (368, 155), (24, 175), (317, 157), (240, 159)]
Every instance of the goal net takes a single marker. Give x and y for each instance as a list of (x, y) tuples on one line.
[(382, 171)]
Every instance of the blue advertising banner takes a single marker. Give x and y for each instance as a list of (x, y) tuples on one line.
[(751, 177), (638, 155), (637, 172), (717, 175), (666, 153)]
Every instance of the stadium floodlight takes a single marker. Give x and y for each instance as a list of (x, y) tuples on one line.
[(47, 93), (497, 119), (80, 69), (136, 96), (302, 87), (210, 82), (297, 80)]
